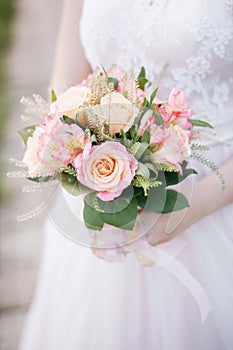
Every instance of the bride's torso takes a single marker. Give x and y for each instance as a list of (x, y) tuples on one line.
[(181, 43)]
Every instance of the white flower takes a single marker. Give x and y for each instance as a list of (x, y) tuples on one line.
[(116, 110), (30, 158), (69, 102)]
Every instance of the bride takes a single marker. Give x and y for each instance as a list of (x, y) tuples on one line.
[(82, 302)]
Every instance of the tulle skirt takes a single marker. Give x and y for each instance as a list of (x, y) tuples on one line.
[(83, 302)]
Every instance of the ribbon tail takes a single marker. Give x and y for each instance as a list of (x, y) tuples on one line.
[(177, 269)]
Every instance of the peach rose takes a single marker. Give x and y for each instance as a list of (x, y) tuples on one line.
[(117, 110), (107, 169), (69, 102)]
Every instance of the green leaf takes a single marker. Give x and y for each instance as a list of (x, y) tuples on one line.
[(155, 200), (138, 191), (27, 132), (125, 218), (143, 170), (163, 201), (140, 115), (134, 133), (53, 96), (123, 134), (145, 102), (174, 201), (142, 83), (158, 117), (71, 184), (41, 179), (142, 73), (92, 218), (142, 149), (154, 93), (119, 203), (173, 178), (67, 120), (152, 167), (146, 135), (113, 81), (201, 123)]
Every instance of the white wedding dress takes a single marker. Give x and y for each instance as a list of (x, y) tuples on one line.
[(85, 303)]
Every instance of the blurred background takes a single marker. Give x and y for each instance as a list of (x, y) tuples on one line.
[(28, 31)]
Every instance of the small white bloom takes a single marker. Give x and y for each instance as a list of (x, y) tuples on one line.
[(30, 158)]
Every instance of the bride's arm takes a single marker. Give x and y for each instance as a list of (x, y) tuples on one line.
[(206, 198), (71, 65)]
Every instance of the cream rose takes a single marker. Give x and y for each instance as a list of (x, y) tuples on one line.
[(107, 169), (69, 102), (117, 110), (30, 158)]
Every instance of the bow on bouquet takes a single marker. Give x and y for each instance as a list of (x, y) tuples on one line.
[(111, 140)]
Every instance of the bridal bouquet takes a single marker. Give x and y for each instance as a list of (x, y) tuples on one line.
[(119, 146)]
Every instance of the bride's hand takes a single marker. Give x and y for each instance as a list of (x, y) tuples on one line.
[(163, 227), (206, 198)]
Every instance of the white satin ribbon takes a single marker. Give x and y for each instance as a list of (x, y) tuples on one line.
[(149, 255)]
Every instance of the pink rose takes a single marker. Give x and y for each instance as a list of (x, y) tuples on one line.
[(107, 169)]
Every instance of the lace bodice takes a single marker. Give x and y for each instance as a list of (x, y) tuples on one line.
[(181, 43)]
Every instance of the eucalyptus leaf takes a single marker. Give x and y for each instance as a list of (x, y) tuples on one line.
[(91, 200), (119, 203), (155, 200), (161, 200), (173, 178), (138, 191), (174, 201), (71, 184), (92, 218), (125, 218)]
